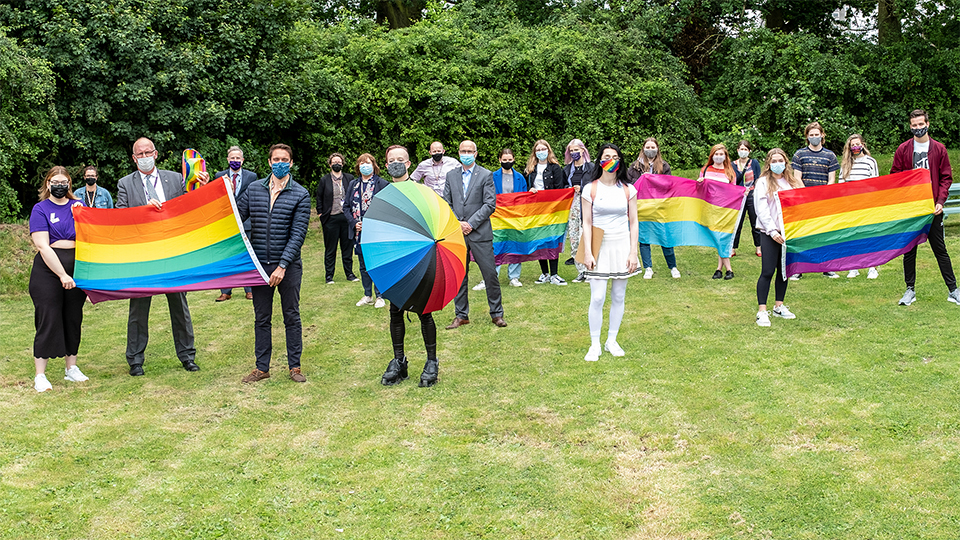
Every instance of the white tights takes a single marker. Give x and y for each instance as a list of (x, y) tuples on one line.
[(598, 295)]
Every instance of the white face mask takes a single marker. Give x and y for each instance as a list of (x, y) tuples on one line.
[(145, 164), (744, 154), (718, 159)]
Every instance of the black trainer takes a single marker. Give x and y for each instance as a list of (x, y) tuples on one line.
[(728, 275), (717, 275), (395, 373), (430, 372)]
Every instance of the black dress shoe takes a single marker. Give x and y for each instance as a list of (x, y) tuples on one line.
[(136, 370), (728, 275), (395, 373), (717, 275), (189, 365), (430, 371)]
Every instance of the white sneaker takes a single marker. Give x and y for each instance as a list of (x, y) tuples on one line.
[(853, 273), (593, 354), (784, 312), (675, 273), (796, 277), (544, 278), (41, 384), (648, 273), (480, 286), (763, 318), (75, 375), (379, 303), (516, 282), (954, 296), (614, 348), (365, 301), (557, 280), (873, 274)]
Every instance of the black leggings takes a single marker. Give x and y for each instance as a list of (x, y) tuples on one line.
[(398, 330), (57, 312), (772, 251), (554, 265)]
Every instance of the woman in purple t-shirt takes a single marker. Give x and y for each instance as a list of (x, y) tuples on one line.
[(57, 302)]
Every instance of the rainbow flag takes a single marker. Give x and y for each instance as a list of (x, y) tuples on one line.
[(674, 211), (856, 224), (194, 243), (530, 226)]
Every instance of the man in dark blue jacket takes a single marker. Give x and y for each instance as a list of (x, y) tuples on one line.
[(239, 180), (279, 212)]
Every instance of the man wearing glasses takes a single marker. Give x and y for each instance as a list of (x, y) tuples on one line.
[(151, 186)]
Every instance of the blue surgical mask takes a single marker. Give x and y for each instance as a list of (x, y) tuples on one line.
[(467, 159), (542, 155), (280, 169), (778, 168), (366, 169)]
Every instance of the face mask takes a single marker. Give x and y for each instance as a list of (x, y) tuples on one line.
[(396, 169), (718, 159), (467, 159), (336, 167), (90, 181), (280, 169), (574, 156), (506, 164), (650, 153), (778, 168), (610, 165), (235, 165), (856, 149), (542, 155), (814, 141), (145, 164), (58, 192), (919, 132), (437, 157), (744, 154), (366, 169)]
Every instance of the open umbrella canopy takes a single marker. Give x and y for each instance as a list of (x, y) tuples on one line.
[(413, 247)]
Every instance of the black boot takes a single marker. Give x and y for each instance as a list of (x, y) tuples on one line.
[(430, 371), (396, 372)]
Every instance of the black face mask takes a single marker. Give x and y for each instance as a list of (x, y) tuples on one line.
[(919, 132), (58, 192), (336, 167), (506, 164), (437, 157), (90, 181)]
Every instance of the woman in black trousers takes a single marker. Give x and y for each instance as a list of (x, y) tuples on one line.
[(336, 229)]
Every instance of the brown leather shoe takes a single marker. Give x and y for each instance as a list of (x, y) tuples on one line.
[(296, 375), (457, 323), (222, 298), (249, 296), (256, 375), (499, 322)]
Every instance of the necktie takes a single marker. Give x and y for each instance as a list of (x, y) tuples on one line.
[(236, 188), (151, 190)]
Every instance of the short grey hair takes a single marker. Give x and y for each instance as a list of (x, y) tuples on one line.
[(234, 149)]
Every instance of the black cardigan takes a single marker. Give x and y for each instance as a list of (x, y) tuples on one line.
[(553, 177), (325, 194)]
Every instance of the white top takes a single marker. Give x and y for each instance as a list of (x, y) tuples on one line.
[(863, 167), (538, 179), (769, 216), (610, 207), (920, 147), (154, 178)]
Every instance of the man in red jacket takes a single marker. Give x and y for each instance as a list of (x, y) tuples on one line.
[(922, 152)]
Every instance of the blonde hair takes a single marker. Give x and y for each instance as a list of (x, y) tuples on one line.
[(727, 166), (846, 162), (532, 160), (45, 185), (772, 186)]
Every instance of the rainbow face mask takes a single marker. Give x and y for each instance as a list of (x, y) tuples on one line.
[(610, 165)]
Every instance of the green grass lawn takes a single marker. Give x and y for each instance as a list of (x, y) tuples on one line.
[(841, 424)]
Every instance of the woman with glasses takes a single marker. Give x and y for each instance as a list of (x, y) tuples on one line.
[(57, 302)]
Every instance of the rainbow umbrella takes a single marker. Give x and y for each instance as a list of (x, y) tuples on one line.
[(413, 247), (193, 163)]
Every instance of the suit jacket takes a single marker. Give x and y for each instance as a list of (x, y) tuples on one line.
[(476, 205), (130, 190), (941, 174), (246, 178), (325, 194)]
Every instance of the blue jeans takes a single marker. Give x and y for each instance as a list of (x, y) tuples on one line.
[(513, 270), (648, 260), (368, 287)]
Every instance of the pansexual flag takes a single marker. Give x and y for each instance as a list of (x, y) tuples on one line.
[(856, 224), (194, 243), (530, 226), (674, 211)]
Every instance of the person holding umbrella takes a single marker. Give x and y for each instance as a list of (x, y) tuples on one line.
[(398, 163)]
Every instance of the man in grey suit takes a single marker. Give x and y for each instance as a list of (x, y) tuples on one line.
[(148, 185), (239, 179), (470, 192)]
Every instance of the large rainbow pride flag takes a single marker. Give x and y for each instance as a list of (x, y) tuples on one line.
[(194, 243), (856, 224), (674, 211), (530, 226)]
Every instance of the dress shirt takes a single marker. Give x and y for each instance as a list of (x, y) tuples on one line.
[(434, 175)]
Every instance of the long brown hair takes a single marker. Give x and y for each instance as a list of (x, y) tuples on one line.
[(45, 185), (532, 160), (772, 186), (642, 164), (846, 163), (727, 167)]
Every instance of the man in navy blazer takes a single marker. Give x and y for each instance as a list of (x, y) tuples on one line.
[(470, 192), (151, 186), (239, 178)]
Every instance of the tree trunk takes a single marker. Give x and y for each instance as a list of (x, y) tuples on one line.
[(888, 22), (399, 13)]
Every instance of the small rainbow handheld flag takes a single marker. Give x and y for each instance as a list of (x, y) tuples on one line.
[(855, 225), (193, 163), (674, 211), (194, 243), (530, 226)]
